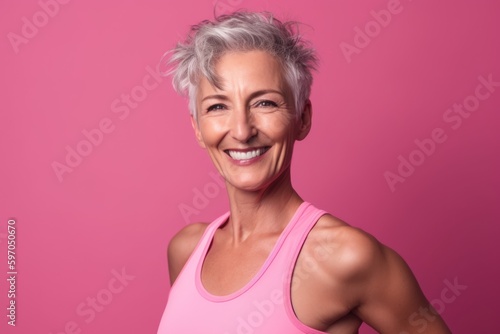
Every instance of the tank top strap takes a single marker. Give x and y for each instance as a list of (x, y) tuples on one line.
[(287, 259), (188, 272), (214, 225), (292, 240), (302, 226), (208, 235), (292, 245)]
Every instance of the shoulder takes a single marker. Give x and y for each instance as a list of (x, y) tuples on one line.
[(375, 281), (353, 254), (360, 263), (187, 237), (181, 246)]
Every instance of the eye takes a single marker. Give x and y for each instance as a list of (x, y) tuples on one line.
[(266, 104), (215, 107)]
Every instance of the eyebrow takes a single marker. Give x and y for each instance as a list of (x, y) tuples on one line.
[(252, 96)]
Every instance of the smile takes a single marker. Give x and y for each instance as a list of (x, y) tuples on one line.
[(239, 155)]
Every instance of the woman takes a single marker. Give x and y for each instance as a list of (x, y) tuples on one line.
[(274, 263)]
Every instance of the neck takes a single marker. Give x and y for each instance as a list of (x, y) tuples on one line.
[(263, 211)]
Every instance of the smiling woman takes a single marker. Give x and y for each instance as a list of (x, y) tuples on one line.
[(273, 263), (249, 122)]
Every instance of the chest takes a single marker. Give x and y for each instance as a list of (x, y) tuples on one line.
[(228, 269), (314, 301)]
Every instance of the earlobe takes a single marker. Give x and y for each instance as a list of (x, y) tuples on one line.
[(305, 121), (197, 132)]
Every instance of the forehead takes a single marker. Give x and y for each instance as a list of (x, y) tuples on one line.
[(246, 72)]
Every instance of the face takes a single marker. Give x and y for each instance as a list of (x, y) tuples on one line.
[(249, 125)]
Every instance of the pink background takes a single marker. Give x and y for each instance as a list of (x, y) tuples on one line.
[(118, 208)]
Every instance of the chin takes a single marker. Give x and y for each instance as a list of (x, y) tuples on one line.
[(253, 182), (248, 186)]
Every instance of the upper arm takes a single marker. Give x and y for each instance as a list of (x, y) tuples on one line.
[(181, 246), (389, 297), (378, 286)]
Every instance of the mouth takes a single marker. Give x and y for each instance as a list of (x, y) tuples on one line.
[(248, 154)]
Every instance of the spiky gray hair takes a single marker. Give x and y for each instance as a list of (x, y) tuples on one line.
[(241, 31)]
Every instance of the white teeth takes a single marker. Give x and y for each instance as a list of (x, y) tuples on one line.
[(236, 155)]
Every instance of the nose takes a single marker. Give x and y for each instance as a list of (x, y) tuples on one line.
[(242, 125)]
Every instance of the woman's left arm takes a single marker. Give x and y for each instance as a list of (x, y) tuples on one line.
[(392, 300)]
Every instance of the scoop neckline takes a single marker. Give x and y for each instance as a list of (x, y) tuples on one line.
[(277, 246)]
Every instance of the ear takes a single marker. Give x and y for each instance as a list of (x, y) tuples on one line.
[(304, 122), (199, 137)]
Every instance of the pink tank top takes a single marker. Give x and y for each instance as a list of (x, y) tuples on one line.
[(263, 305)]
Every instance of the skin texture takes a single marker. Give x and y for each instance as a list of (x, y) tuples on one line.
[(343, 276)]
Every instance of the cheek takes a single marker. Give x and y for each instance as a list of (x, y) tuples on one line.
[(278, 128), (210, 130)]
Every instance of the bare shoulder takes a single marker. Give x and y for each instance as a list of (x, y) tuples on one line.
[(353, 254), (181, 246), (381, 288)]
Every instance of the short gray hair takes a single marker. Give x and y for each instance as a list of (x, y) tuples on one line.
[(242, 31)]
